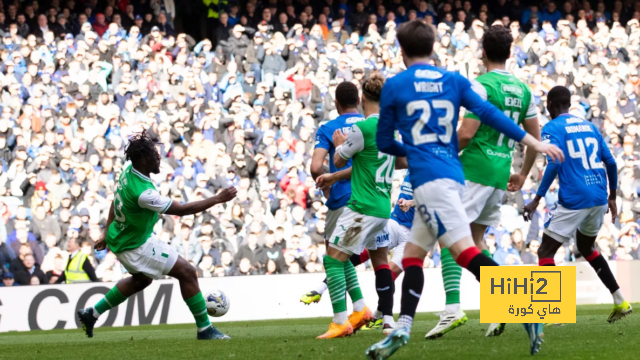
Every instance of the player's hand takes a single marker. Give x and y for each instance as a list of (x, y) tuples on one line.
[(325, 180), (405, 205), (100, 244), (613, 209), (515, 182), (550, 150), (339, 138), (529, 209), (227, 194)]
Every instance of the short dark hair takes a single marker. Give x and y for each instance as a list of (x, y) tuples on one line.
[(497, 43), (416, 38), (347, 94), (559, 95)]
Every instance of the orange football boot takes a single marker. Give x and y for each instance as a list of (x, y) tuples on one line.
[(337, 331), (359, 319)]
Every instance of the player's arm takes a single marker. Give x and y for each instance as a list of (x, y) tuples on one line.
[(467, 131), (386, 129), (347, 146), (401, 163), (194, 207), (532, 127), (549, 175), (612, 176), (327, 180), (102, 243), (495, 118), (320, 152)]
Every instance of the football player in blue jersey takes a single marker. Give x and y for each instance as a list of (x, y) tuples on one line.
[(423, 103), (583, 199)]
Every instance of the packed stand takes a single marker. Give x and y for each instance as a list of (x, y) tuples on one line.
[(241, 107)]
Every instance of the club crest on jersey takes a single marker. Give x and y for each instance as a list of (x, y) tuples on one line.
[(428, 74)]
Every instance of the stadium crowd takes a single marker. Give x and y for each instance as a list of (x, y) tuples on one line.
[(241, 108)]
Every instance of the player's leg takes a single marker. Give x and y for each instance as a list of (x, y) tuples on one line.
[(585, 239), (384, 287), (558, 230), (192, 296), (423, 239), (116, 296), (342, 244), (315, 295)]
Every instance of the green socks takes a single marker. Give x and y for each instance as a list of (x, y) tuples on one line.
[(112, 299), (451, 274), (353, 286), (336, 283), (198, 308)]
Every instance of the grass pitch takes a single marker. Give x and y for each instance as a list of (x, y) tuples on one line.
[(590, 338)]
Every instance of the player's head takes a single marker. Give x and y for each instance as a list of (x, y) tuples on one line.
[(371, 89), (416, 40), (496, 44), (346, 96), (558, 101), (143, 153)]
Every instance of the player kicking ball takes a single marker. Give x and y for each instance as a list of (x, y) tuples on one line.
[(583, 199), (133, 214), (399, 229), (423, 103), (362, 223), (486, 161)]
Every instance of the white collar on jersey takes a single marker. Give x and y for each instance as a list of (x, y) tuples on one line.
[(378, 115), (502, 72), (139, 173)]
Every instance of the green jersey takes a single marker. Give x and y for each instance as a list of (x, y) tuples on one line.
[(372, 173), (135, 207), (487, 158)]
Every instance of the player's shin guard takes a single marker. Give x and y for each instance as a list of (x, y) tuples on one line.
[(353, 286), (337, 286), (198, 308), (411, 290), (472, 259), (384, 287), (546, 262), (112, 299), (600, 265), (451, 274)]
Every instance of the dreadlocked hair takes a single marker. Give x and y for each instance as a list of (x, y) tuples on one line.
[(141, 149), (372, 87)]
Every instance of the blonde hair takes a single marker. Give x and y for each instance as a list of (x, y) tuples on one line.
[(372, 87)]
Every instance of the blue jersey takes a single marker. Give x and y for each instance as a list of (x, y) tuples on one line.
[(587, 163), (406, 192), (340, 191), (423, 103)]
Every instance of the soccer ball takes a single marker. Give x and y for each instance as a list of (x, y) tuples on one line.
[(217, 303)]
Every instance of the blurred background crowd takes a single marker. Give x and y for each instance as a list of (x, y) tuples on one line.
[(233, 93)]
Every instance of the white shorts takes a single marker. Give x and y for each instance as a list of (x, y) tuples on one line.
[(482, 203), (331, 220), (355, 232), (564, 222), (153, 259), (440, 215), (398, 236)]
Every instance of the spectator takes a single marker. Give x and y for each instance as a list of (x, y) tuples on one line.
[(8, 280), (79, 267), (30, 269), (506, 254)]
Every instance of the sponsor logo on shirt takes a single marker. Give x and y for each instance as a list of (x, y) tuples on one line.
[(427, 74), (499, 154), (512, 89), (352, 120)]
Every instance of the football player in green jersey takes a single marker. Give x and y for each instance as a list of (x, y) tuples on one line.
[(129, 235), (486, 159), (362, 224)]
